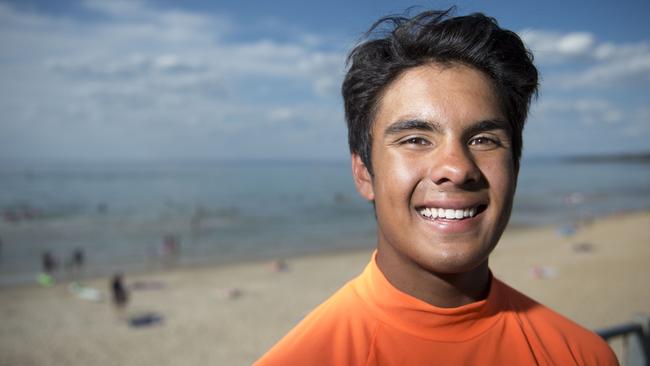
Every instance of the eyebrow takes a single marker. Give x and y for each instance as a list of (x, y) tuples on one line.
[(489, 125), (415, 124), (431, 126)]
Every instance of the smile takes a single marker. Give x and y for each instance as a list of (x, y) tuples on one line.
[(449, 213)]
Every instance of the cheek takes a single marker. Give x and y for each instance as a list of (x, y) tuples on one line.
[(501, 178), (398, 177)]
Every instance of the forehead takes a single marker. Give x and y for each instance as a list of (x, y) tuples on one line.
[(447, 94)]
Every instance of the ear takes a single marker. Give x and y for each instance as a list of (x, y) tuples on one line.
[(362, 178)]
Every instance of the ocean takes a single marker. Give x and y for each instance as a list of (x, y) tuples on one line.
[(119, 214)]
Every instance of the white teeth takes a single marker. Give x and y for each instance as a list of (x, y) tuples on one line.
[(448, 213)]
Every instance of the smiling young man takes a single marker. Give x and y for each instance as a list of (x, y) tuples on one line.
[(435, 111)]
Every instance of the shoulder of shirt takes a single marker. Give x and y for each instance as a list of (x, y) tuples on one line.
[(340, 325), (549, 324)]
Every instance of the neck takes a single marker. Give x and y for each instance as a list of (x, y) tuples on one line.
[(445, 290)]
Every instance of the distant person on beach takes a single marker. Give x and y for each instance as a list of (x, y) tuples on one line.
[(76, 261), (119, 292), (170, 249), (78, 257), (48, 263), (435, 107)]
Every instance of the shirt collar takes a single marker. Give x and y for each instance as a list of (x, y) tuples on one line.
[(412, 315)]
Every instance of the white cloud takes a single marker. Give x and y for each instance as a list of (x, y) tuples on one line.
[(557, 47), (615, 73), (131, 66), (575, 43), (594, 64), (582, 110), (281, 114), (117, 8), (609, 51), (639, 123), (158, 78)]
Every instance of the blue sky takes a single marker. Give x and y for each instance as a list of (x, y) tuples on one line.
[(198, 79)]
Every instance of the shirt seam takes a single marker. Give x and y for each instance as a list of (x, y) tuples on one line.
[(372, 343)]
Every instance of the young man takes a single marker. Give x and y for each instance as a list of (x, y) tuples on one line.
[(435, 112)]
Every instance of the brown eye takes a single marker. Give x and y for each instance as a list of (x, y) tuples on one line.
[(415, 141), (481, 141), (484, 142)]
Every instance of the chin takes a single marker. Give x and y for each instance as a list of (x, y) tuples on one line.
[(454, 262)]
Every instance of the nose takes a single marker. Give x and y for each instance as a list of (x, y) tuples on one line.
[(454, 164)]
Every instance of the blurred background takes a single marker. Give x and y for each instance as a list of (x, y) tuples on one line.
[(213, 131)]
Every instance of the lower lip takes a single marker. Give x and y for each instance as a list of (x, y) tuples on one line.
[(453, 226)]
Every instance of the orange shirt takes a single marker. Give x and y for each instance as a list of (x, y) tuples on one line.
[(370, 322)]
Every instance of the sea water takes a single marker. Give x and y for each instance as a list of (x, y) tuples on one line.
[(120, 213)]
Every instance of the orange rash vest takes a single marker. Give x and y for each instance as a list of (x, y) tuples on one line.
[(370, 322)]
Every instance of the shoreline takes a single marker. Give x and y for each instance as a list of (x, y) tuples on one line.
[(158, 268)]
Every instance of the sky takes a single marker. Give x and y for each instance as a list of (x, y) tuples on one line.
[(183, 80)]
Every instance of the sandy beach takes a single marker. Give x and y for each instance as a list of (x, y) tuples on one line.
[(231, 314)]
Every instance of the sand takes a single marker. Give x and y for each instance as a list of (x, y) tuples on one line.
[(229, 315)]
